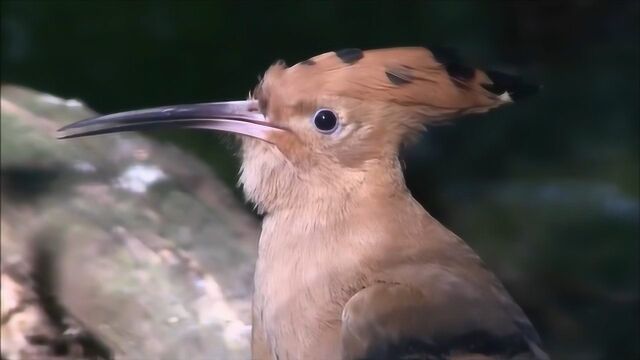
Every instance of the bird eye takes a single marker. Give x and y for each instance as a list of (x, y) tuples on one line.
[(326, 121)]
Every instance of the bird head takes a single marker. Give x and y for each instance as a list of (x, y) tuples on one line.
[(330, 118)]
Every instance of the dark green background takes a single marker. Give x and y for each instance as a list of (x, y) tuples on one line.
[(545, 190)]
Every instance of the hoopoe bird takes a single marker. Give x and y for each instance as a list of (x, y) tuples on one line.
[(350, 265)]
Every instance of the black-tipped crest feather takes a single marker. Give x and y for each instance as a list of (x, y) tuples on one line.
[(511, 84)]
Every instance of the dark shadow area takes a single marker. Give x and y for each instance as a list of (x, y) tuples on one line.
[(45, 286), (26, 184)]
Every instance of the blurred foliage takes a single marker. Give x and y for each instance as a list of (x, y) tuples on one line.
[(545, 190)]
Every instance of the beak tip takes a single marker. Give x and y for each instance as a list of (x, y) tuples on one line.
[(63, 133), (61, 136), (64, 127)]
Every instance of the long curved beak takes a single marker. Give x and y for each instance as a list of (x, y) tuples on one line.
[(239, 117)]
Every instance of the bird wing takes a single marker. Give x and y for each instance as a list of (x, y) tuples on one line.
[(399, 321)]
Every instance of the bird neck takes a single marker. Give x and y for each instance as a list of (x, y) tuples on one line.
[(318, 194)]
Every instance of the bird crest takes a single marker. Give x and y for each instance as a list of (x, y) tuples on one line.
[(432, 84)]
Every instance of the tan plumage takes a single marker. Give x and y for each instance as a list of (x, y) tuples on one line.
[(350, 266)]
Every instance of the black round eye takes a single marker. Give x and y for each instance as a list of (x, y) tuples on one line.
[(325, 121)]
